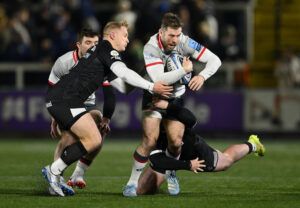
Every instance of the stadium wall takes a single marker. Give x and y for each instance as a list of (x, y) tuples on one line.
[(217, 111)]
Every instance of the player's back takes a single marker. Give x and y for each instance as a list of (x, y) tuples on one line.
[(84, 78), (62, 66)]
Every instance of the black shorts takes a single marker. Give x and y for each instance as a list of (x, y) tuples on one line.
[(91, 107), (194, 146), (147, 104), (66, 113)]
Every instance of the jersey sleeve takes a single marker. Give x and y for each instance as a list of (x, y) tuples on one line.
[(109, 55), (57, 72), (190, 46), (160, 162), (203, 55)]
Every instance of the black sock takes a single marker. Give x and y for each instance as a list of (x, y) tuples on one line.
[(73, 153), (250, 147)]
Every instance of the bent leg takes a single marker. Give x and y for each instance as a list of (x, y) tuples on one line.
[(150, 182), (174, 130), (150, 135), (67, 138), (86, 130), (141, 154)]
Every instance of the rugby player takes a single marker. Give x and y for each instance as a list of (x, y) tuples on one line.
[(85, 40), (168, 40), (65, 100), (196, 154)]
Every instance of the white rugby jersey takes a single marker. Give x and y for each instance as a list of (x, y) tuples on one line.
[(62, 66), (155, 60)]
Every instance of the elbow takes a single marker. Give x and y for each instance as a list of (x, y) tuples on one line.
[(218, 61)]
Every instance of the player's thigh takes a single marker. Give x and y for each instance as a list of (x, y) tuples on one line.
[(151, 126), (86, 130), (174, 130)]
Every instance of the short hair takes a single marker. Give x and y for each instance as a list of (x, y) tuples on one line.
[(114, 25), (171, 20), (86, 32)]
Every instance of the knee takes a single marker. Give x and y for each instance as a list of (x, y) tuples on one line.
[(176, 143), (92, 143)]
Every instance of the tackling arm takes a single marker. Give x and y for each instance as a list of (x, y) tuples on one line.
[(160, 162), (130, 76)]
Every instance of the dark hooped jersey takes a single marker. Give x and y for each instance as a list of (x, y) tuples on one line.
[(87, 76)]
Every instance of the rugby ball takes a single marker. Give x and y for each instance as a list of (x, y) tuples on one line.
[(174, 62)]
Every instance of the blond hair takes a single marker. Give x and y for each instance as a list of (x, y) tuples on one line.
[(113, 25)]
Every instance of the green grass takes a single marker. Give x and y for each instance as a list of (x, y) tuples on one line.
[(271, 181)]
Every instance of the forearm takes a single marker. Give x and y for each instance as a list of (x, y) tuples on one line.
[(159, 161), (121, 86), (167, 77), (184, 115), (131, 77), (212, 64)]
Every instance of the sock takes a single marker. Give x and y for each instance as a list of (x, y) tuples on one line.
[(137, 168), (252, 147), (73, 152), (58, 166), (80, 169)]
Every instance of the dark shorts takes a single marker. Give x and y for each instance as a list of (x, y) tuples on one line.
[(91, 107), (147, 104), (207, 153), (66, 113), (193, 146)]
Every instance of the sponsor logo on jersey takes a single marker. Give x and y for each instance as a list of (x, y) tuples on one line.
[(115, 55), (194, 45)]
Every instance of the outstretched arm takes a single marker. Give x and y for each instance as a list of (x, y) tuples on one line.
[(133, 78), (160, 163)]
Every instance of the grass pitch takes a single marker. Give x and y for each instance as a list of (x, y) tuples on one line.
[(272, 181)]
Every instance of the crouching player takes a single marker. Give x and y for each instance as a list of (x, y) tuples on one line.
[(196, 155)]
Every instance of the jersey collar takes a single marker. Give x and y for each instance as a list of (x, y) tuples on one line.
[(160, 45)]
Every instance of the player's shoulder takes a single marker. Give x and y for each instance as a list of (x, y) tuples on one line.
[(151, 48), (107, 52), (104, 46), (188, 45), (152, 43), (68, 57)]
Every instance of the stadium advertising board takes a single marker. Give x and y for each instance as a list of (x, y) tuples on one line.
[(270, 110), (26, 112)]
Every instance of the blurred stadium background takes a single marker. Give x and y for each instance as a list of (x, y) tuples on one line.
[(255, 91)]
